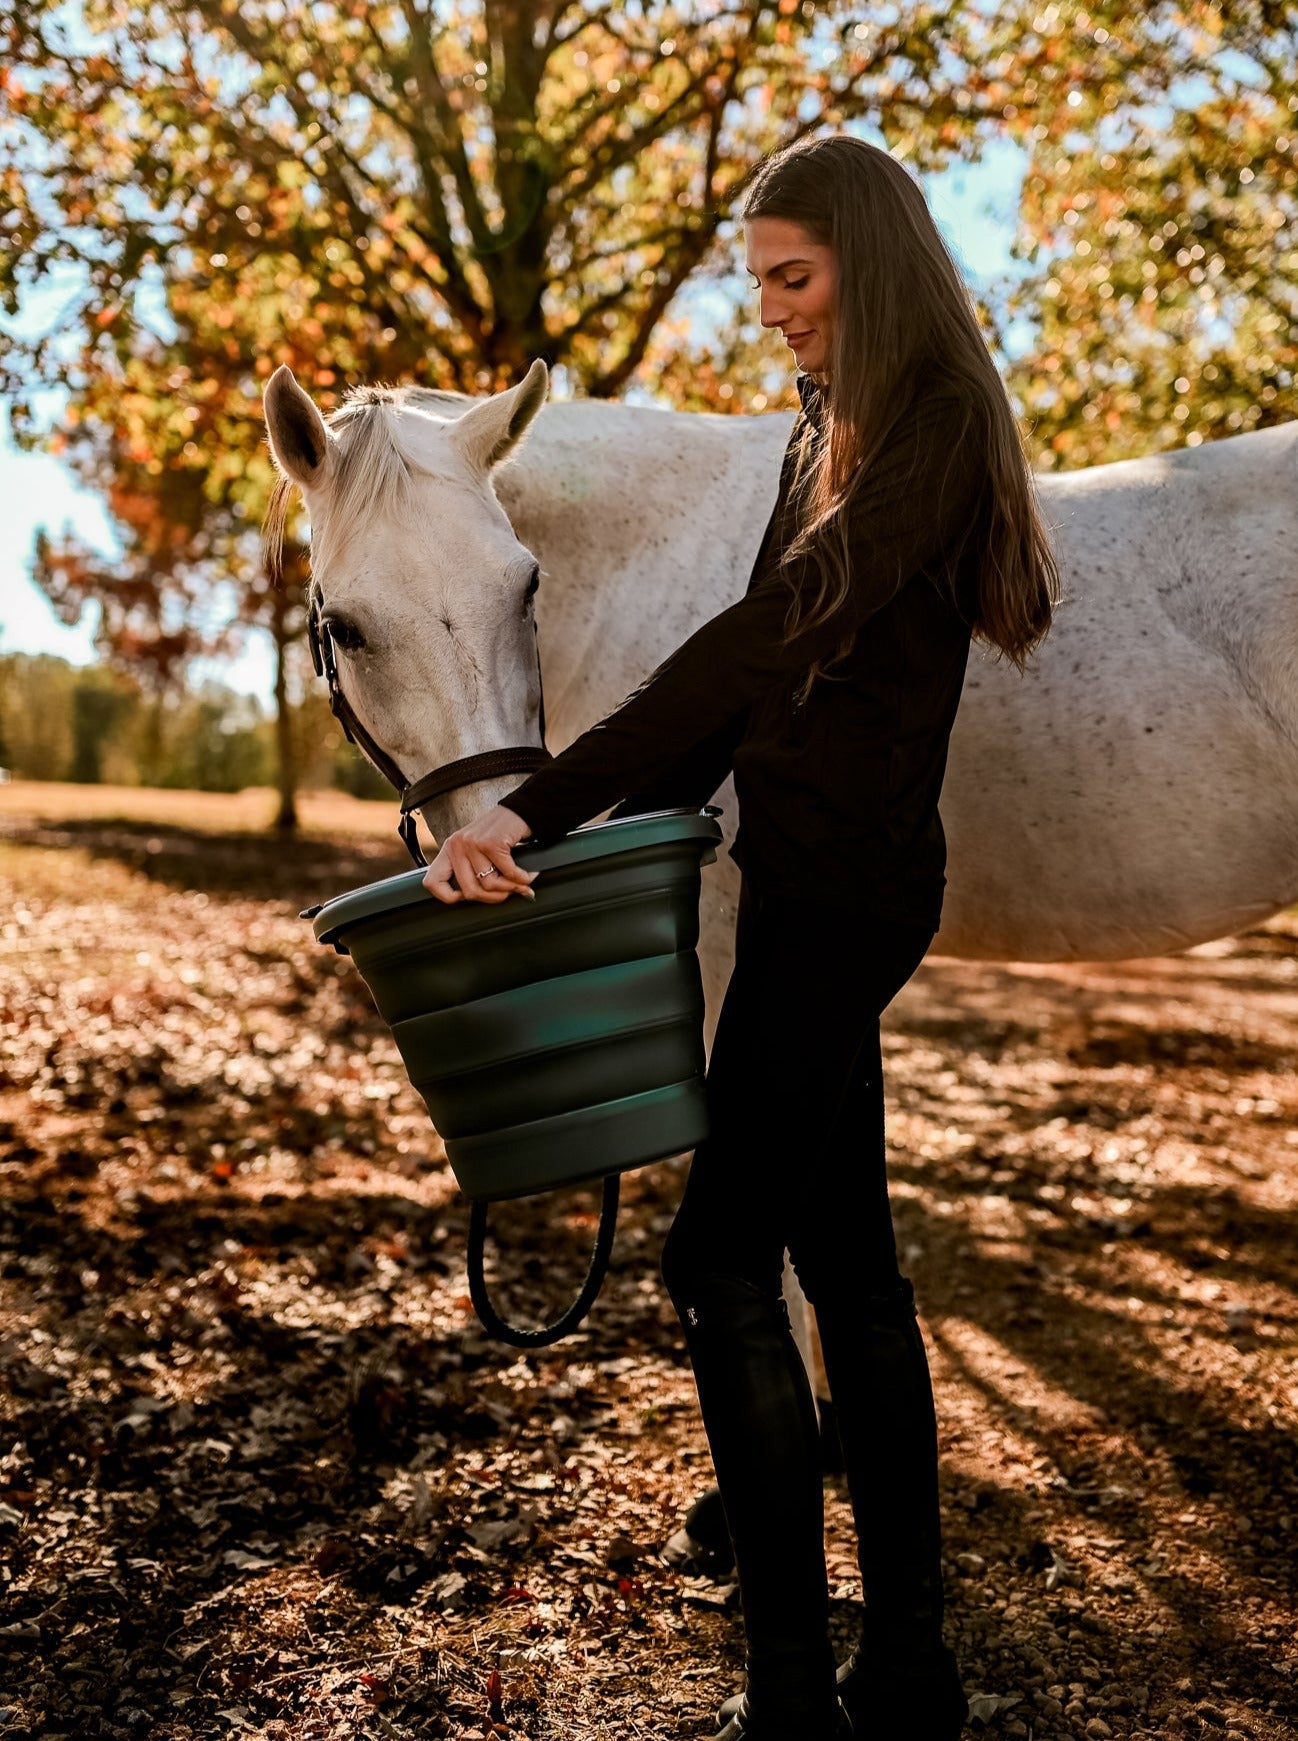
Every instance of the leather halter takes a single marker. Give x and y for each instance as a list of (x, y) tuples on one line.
[(466, 771)]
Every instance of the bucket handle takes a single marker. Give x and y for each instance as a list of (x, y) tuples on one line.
[(545, 1334)]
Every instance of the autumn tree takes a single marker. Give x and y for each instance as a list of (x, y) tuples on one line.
[(422, 193), (440, 193), (1165, 306)]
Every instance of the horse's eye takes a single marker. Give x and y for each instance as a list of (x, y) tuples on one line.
[(347, 636), (533, 583)]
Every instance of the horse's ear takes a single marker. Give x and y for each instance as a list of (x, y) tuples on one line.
[(298, 438), (491, 429)]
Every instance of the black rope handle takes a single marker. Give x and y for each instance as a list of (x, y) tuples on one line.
[(545, 1334)]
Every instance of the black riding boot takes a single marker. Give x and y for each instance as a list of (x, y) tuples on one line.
[(701, 1546), (761, 1425), (901, 1679)]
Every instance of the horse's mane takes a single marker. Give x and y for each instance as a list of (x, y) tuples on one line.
[(371, 469)]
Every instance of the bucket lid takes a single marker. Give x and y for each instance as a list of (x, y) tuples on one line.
[(592, 840)]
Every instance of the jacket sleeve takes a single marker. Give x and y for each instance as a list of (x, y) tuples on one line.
[(916, 503), (695, 778)]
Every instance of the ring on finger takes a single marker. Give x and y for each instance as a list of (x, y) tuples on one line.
[(490, 871)]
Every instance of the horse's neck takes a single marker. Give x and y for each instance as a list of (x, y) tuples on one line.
[(645, 524)]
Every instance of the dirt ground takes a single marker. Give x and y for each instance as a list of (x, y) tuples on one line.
[(261, 1473)]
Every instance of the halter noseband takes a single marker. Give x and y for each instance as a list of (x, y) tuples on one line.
[(486, 765)]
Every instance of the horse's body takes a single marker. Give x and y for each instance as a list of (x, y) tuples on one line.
[(1136, 791)]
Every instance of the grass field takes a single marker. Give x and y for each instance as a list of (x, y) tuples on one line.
[(250, 811)]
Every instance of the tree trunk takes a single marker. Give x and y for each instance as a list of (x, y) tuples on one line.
[(285, 752), (151, 741)]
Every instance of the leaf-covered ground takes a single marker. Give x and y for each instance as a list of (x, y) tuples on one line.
[(261, 1473)]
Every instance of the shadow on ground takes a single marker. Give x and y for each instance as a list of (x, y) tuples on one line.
[(258, 867)]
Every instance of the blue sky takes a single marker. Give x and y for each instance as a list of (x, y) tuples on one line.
[(975, 205)]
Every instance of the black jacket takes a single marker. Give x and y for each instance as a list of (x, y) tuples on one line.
[(837, 798)]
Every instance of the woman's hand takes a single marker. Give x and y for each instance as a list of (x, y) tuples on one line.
[(484, 846)]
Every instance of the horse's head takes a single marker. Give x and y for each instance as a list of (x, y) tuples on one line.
[(425, 591)]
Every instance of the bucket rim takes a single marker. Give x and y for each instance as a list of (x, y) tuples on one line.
[(682, 824)]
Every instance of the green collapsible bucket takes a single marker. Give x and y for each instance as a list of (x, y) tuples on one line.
[(556, 1040)]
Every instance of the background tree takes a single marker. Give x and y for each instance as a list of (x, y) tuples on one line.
[(61, 722), (36, 715), (101, 704), (1167, 310), (441, 193)]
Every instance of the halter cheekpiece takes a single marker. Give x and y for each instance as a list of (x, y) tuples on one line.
[(466, 771)]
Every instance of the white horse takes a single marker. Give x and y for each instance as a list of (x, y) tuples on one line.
[(1136, 791)]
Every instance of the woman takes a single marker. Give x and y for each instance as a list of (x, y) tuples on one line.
[(906, 521)]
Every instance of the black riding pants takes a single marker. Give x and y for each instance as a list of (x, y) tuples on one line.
[(795, 1159)]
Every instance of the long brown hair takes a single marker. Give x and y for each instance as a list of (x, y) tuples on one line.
[(903, 313)]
